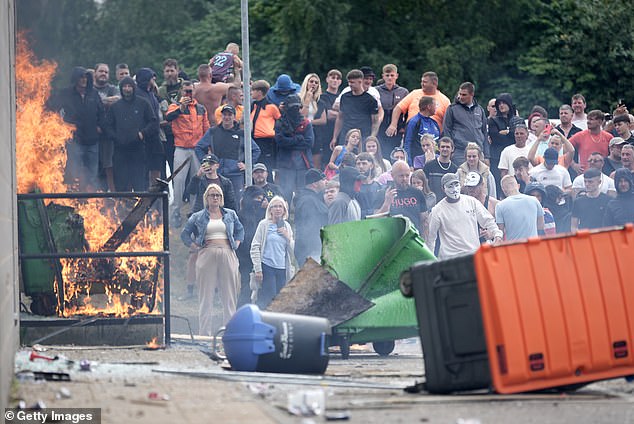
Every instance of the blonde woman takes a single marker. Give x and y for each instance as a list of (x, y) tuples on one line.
[(272, 252), (216, 232), (474, 162), (428, 144), (310, 93)]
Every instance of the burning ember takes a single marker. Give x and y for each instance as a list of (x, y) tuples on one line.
[(118, 286), (153, 345)]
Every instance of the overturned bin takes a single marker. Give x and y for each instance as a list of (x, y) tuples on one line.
[(357, 285)]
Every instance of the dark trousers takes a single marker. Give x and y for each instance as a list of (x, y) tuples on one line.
[(130, 172), (268, 155), (273, 279)]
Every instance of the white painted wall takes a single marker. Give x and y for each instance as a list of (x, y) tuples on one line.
[(9, 287)]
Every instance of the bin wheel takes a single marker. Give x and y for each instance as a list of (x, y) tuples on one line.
[(43, 304), (344, 345), (383, 348), (406, 284)]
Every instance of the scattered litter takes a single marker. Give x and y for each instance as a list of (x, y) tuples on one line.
[(260, 389), (25, 376), (51, 376), (468, 421), (158, 396), (34, 355), (306, 403), (128, 383), (21, 404), (337, 416), (84, 365), (39, 348), (63, 393), (38, 405)]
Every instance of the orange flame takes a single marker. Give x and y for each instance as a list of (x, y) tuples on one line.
[(41, 158)]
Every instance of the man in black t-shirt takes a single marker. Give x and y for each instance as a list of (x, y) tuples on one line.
[(589, 206), (403, 199), (358, 109), (435, 169)]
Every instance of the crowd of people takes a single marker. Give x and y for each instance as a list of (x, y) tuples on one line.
[(463, 174)]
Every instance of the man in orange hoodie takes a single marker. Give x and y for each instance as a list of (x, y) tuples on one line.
[(189, 123)]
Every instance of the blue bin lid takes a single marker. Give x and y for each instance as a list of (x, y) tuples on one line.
[(246, 337)]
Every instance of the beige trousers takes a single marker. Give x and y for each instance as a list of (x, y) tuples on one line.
[(216, 268)]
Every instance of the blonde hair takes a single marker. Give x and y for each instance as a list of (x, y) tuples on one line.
[(349, 133), (275, 200), (475, 146), (213, 188), (307, 97), (429, 137)]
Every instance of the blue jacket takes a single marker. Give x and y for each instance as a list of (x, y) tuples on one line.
[(196, 227), (228, 166), (416, 127)]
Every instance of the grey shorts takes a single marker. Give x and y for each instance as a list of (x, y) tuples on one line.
[(106, 150)]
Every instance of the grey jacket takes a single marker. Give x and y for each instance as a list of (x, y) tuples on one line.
[(465, 124)]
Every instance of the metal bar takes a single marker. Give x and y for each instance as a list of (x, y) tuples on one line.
[(91, 322), (166, 273), (246, 78), (76, 255), (57, 266), (77, 195)]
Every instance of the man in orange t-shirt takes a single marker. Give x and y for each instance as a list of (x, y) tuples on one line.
[(409, 105), (263, 117), (594, 139)]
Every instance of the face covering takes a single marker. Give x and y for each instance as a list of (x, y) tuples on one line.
[(452, 190)]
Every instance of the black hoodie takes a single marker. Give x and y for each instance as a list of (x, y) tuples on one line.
[(501, 123), (85, 112), (621, 210), (127, 117)]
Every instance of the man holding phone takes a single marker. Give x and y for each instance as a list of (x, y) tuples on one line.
[(189, 123)]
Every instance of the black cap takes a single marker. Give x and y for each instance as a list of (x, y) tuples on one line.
[(228, 108), (313, 175), (211, 159)]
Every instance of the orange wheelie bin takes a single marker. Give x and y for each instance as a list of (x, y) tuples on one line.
[(558, 311)]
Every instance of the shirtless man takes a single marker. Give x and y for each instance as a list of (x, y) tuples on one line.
[(210, 95)]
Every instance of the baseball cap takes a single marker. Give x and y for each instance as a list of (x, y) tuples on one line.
[(228, 108), (448, 178), (472, 179), (313, 175), (592, 173), (211, 158), (617, 141), (259, 167), (551, 156)]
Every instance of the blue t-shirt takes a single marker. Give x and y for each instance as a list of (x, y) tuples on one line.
[(274, 254), (519, 215)]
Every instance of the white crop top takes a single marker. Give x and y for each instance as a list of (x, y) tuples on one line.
[(216, 230)]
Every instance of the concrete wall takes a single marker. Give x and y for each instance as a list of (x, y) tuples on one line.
[(8, 216)]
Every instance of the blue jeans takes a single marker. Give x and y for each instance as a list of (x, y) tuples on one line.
[(273, 279)]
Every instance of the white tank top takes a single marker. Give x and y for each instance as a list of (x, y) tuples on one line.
[(216, 230)]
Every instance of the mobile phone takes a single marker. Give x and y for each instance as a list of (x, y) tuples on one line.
[(621, 103), (548, 128)]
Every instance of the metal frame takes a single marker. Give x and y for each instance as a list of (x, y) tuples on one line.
[(164, 254)]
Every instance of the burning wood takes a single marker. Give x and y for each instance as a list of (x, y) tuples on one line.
[(131, 285)]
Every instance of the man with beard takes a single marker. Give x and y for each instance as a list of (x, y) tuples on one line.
[(579, 107), (593, 139), (109, 94), (260, 179), (403, 199), (294, 138), (311, 213), (455, 219), (621, 210), (613, 160), (168, 94), (368, 192), (130, 121), (345, 207)]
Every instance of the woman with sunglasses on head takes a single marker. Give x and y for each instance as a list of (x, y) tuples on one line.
[(216, 232)]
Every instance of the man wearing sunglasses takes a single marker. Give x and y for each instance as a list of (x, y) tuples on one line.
[(189, 123)]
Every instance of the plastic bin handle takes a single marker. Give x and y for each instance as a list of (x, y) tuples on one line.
[(323, 350), (213, 344)]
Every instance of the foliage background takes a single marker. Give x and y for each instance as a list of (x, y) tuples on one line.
[(540, 51)]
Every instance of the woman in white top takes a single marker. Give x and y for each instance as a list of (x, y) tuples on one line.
[(272, 252), (216, 232), (310, 93), (373, 147)]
